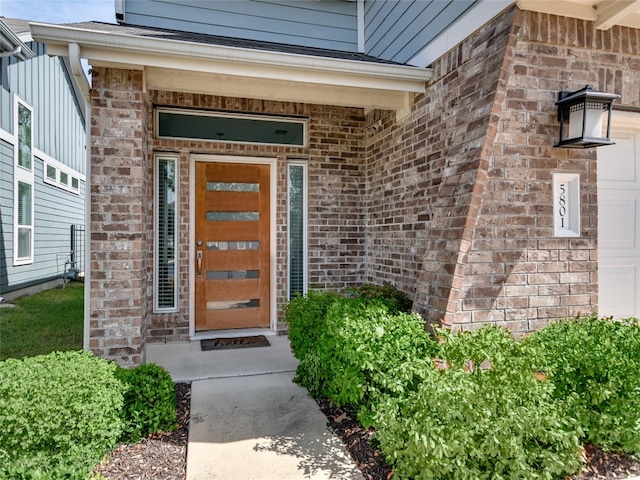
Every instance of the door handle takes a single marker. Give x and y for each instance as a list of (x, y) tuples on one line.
[(199, 257)]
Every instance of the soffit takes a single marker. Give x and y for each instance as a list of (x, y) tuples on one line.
[(604, 13)]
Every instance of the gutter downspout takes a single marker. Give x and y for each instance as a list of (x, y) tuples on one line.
[(87, 234), (78, 73)]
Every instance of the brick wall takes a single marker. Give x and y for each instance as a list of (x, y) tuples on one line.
[(334, 157), (428, 172), (467, 222), (517, 272), (118, 235)]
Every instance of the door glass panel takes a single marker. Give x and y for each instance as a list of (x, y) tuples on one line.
[(233, 216), (233, 245), (233, 304), (232, 274), (232, 187)]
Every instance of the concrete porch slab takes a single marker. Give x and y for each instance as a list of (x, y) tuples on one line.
[(262, 427), (185, 362)]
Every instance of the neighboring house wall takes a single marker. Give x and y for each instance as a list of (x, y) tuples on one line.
[(399, 30), (59, 139), (44, 83), (331, 25)]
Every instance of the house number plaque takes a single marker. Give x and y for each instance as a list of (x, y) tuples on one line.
[(566, 205)]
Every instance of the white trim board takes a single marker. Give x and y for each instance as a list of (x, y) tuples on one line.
[(7, 137)]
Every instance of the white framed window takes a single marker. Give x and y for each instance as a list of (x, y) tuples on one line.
[(59, 175), (297, 232), (23, 231), (166, 234)]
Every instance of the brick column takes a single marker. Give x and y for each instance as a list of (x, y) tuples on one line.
[(119, 188)]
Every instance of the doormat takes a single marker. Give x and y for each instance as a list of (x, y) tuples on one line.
[(236, 342)]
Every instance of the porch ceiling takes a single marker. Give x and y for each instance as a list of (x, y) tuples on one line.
[(604, 13), (224, 70)]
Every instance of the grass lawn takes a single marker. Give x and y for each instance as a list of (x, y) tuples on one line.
[(46, 322)]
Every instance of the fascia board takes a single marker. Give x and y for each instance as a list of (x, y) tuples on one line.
[(109, 47), (239, 69)]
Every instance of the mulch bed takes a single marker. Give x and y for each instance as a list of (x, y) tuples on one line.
[(164, 456), (161, 456)]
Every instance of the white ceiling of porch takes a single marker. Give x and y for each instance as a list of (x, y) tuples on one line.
[(605, 13)]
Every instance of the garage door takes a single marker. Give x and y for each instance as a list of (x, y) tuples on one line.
[(619, 221)]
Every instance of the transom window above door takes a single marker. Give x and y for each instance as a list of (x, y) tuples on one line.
[(222, 127)]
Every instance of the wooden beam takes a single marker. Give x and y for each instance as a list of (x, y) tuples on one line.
[(613, 13)]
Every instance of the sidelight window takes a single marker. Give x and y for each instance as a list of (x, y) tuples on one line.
[(166, 235)]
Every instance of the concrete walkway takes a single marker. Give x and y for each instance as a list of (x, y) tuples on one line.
[(249, 421)]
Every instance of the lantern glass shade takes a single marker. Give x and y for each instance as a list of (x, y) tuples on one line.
[(581, 118), (592, 121)]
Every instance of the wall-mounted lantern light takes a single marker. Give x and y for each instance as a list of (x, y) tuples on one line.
[(581, 118)]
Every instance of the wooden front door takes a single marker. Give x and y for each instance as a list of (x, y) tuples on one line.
[(232, 246)]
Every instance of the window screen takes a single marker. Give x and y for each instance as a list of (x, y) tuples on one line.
[(166, 240), (297, 229)]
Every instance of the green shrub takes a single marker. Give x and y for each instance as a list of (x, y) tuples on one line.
[(372, 353), (305, 317), (149, 401), (396, 300), (355, 351), (484, 414), (596, 363), (72, 464), (306, 320), (489, 345), (59, 414)]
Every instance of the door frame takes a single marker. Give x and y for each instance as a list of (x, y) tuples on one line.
[(273, 177)]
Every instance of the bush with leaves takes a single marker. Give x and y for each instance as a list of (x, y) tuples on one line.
[(59, 414), (595, 363), (149, 401), (371, 353), (355, 351), (482, 414), (306, 319), (395, 299)]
